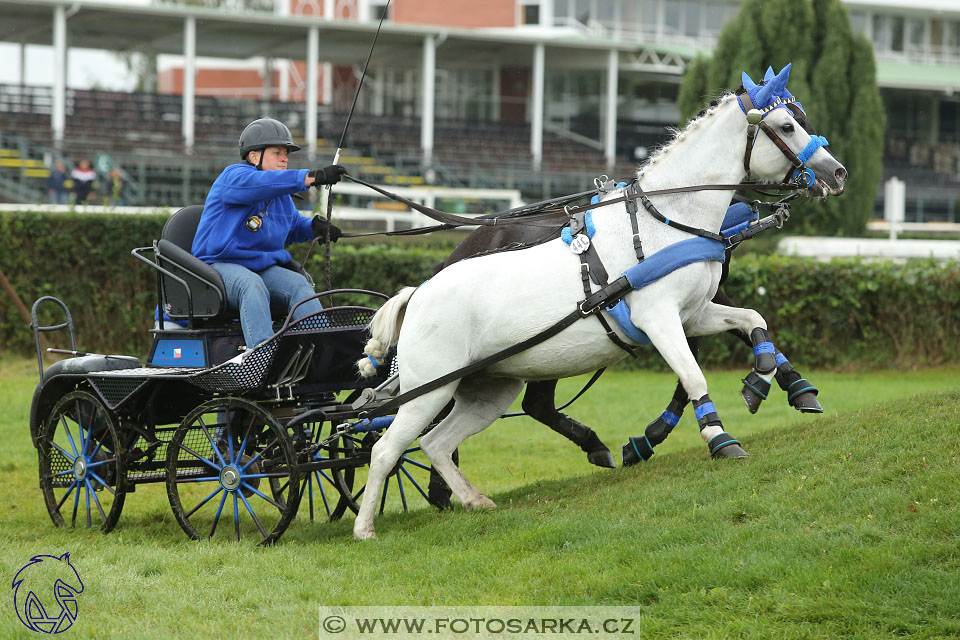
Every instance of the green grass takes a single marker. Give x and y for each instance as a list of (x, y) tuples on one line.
[(841, 525)]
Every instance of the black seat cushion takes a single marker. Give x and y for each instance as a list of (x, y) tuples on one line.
[(182, 226)]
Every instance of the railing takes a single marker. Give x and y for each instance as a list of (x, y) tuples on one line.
[(353, 202)]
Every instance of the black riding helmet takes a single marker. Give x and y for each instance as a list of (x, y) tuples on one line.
[(263, 133)]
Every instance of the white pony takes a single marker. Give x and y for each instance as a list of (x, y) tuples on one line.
[(478, 307)]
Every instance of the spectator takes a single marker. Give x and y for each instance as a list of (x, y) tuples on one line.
[(115, 196), (56, 184), (83, 178)]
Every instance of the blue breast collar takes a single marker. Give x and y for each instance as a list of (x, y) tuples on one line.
[(654, 267)]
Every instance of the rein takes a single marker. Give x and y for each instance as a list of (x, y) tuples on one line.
[(523, 215)]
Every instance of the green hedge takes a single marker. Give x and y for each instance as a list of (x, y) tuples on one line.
[(836, 314)]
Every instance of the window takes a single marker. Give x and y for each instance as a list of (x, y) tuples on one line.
[(888, 33), (915, 34), (671, 16), (858, 21), (896, 33), (583, 11), (531, 14), (691, 17), (605, 11), (953, 39), (381, 11), (949, 121)]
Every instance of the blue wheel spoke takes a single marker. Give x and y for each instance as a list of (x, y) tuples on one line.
[(415, 463), (259, 453), (66, 495), (216, 518), (415, 483), (83, 441), (206, 461), (383, 496), (66, 427), (205, 501), (252, 514), (206, 479), (323, 493), (97, 500), (100, 463), (102, 482), (76, 505), (97, 450), (236, 516), (403, 495), (69, 457), (254, 490), (62, 473), (229, 440), (246, 436), (213, 445), (308, 487), (86, 494)]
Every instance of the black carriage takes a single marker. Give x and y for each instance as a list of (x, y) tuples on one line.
[(235, 437)]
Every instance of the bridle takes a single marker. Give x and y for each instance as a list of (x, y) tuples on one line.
[(799, 174)]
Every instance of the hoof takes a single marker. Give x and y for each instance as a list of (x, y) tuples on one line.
[(364, 534), (602, 458), (480, 503), (752, 398), (636, 451), (807, 402), (730, 451), (438, 494)]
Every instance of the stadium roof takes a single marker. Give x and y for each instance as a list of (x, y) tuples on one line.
[(220, 34)]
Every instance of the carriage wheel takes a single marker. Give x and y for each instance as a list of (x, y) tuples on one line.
[(331, 487), (407, 486), (82, 468), (220, 461)]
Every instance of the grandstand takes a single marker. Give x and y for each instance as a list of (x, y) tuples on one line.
[(141, 133)]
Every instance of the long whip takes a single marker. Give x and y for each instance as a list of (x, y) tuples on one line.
[(336, 157)]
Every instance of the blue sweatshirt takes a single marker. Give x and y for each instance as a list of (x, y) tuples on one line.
[(249, 218)]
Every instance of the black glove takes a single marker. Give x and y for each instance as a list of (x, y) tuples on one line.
[(320, 226), (327, 175)]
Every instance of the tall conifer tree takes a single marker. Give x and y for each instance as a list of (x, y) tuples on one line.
[(833, 76)]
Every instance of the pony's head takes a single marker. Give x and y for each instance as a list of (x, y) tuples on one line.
[(770, 107)]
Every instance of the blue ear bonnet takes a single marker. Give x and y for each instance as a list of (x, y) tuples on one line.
[(771, 92)]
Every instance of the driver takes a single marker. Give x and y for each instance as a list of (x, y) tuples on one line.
[(249, 217)]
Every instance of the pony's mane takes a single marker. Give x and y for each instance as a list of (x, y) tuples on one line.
[(679, 134)]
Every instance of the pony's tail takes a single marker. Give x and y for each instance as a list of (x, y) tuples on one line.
[(384, 331)]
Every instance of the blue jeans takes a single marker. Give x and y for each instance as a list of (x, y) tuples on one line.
[(251, 294)]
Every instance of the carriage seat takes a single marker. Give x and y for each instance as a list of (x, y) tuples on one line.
[(89, 364), (172, 252)]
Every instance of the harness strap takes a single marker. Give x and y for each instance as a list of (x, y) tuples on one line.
[(631, 205), (587, 272), (463, 372), (703, 233)]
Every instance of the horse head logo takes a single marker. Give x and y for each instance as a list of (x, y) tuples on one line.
[(39, 578)]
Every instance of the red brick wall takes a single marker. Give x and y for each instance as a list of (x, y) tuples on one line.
[(456, 13)]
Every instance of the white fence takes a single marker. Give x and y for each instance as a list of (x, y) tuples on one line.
[(361, 205)]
